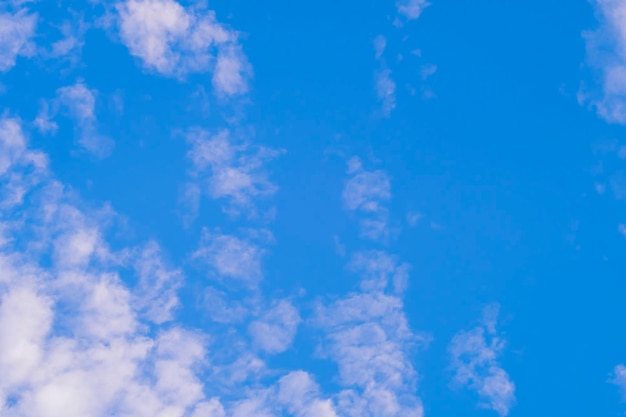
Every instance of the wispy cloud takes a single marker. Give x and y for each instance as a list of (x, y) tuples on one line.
[(386, 91), (366, 193), (411, 9), (300, 395), (58, 272), (618, 378), (79, 102), (380, 43), (368, 336), (12, 143), (474, 359), (175, 41), (606, 53), (16, 32), (230, 169), (233, 258), (156, 290), (275, 330)]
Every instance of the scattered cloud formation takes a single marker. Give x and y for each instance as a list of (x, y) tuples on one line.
[(16, 32), (175, 41), (474, 359), (368, 337), (411, 9), (386, 91), (58, 272), (12, 143), (618, 378), (157, 286), (79, 103), (275, 330), (229, 169), (232, 258), (300, 395), (380, 43), (413, 218), (606, 54), (366, 193)]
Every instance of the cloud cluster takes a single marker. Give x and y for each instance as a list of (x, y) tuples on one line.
[(368, 337), (606, 53), (411, 9), (229, 169), (175, 41), (474, 359), (16, 31), (366, 193), (71, 336), (77, 102)]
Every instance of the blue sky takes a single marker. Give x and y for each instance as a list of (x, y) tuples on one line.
[(363, 209)]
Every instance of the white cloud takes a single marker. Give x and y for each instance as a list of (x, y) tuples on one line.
[(411, 9), (231, 71), (156, 291), (232, 258), (428, 70), (386, 91), (474, 359), (413, 218), (72, 40), (606, 53), (16, 30), (43, 120), (12, 143), (380, 271), (71, 340), (275, 330), (368, 337), (80, 103), (299, 393), (222, 309), (230, 169), (380, 43), (619, 378), (175, 41), (366, 192)]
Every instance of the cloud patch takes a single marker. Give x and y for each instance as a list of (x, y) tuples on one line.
[(474, 358), (16, 32), (176, 41), (606, 54), (229, 169), (367, 192)]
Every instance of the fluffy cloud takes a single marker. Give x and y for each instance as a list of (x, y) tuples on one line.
[(368, 336), (71, 339), (606, 53), (156, 291), (299, 393), (386, 91), (366, 192), (232, 258), (79, 102), (12, 143), (380, 43), (474, 359), (619, 378), (175, 41), (275, 330), (16, 30), (411, 9), (230, 169)]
